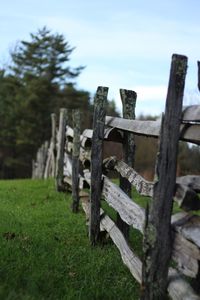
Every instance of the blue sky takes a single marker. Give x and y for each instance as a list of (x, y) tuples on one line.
[(123, 44)]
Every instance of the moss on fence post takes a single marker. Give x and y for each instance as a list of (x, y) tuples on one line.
[(96, 162), (158, 234), (128, 99)]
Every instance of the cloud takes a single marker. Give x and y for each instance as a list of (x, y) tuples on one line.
[(123, 46)]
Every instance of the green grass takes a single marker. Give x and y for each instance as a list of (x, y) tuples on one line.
[(45, 251)]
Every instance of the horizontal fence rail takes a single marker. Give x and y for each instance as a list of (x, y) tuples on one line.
[(189, 132), (92, 173)]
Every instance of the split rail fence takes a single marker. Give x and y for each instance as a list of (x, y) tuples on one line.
[(76, 161)]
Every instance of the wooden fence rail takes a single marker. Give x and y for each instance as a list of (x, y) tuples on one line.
[(166, 235)]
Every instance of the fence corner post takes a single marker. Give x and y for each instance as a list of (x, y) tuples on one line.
[(96, 162)]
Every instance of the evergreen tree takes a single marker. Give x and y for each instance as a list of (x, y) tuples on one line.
[(37, 83), (45, 56)]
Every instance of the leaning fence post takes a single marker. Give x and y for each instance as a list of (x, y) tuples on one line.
[(96, 162), (75, 159), (44, 156), (128, 99), (61, 149), (50, 163), (157, 237)]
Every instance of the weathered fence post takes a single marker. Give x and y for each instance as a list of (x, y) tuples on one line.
[(51, 159), (75, 159), (128, 99), (157, 238), (53, 139), (45, 154), (96, 162), (39, 163), (41, 158), (61, 149), (196, 281)]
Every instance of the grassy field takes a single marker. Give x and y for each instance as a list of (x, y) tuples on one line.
[(45, 252)]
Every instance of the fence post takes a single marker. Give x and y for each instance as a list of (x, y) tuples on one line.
[(196, 281), (128, 99), (53, 138), (157, 237), (75, 160), (50, 163), (61, 149), (45, 155), (96, 162)]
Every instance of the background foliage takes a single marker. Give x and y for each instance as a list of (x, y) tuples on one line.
[(38, 82)]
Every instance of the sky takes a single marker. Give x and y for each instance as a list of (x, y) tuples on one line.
[(123, 44)]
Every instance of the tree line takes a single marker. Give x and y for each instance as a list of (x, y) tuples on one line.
[(37, 82)]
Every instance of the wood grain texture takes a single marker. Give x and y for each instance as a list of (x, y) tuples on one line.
[(186, 256), (41, 158), (192, 181), (157, 236), (188, 132), (53, 145), (75, 159), (48, 166), (189, 227), (110, 134), (142, 186), (129, 258), (128, 99), (129, 211), (96, 162), (185, 196), (61, 149), (51, 157), (138, 127), (185, 246), (178, 288), (191, 113)]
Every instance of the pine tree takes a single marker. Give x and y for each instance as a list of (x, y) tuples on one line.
[(37, 83), (45, 56)]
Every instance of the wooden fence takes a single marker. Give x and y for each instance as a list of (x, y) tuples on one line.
[(76, 161)]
